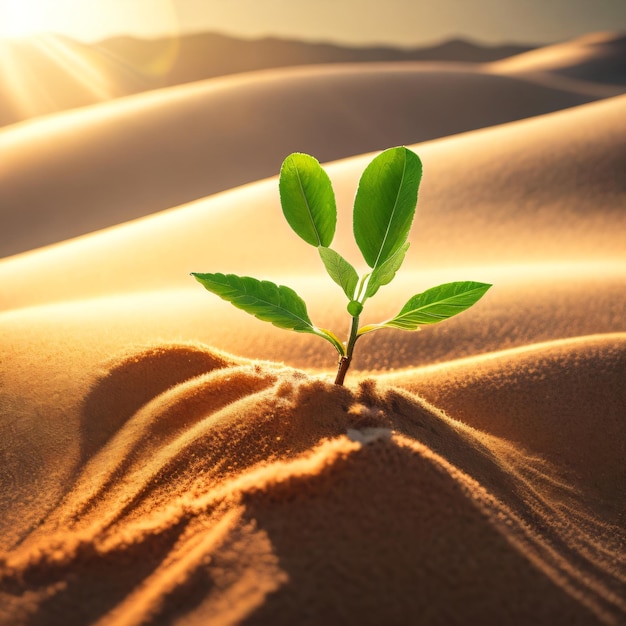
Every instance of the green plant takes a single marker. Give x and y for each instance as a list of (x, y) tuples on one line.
[(384, 208)]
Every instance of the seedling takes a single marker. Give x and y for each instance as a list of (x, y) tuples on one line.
[(384, 208)]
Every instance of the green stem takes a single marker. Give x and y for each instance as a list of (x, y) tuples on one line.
[(325, 334), (360, 291), (344, 361)]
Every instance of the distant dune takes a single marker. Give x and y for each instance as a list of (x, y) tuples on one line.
[(205, 55), (51, 73), (80, 171), (598, 57)]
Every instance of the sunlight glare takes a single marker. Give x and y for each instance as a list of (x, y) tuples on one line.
[(87, 20), (19, 18), (47, 64)]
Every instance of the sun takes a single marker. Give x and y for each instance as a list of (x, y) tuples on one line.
[(19, 18), (87, 20)]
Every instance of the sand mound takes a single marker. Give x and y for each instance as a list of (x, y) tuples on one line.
[(113, 162), (577, 382), (40, 455), (253, 493)]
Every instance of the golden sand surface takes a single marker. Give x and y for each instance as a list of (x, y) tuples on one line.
[(167, 459)]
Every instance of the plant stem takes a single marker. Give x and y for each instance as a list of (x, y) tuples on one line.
[(344, 361), (344, 364)]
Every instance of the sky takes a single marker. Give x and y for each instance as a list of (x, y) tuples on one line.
[(357, 22)]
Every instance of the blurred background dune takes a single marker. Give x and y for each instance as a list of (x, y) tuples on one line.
[(120, 156)]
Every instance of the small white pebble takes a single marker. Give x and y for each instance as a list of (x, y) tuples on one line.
[(368, 435)]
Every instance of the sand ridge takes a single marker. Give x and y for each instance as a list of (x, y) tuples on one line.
[(596, 57)]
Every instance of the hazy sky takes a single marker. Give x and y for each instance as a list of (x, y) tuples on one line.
[(400, 22)]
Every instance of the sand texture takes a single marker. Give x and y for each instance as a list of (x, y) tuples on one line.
[(167, 459)]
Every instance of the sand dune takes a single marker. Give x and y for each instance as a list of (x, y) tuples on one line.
[(197, 56), (507, 394), (597, 57), (525, 306), (49, 73), (166, 459), (546, 189), (113, 162), (255, 494)]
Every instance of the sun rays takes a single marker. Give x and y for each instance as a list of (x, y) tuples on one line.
[(42, 74), (45, 73), (87, 20)]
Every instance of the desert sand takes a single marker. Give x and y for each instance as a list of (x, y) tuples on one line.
[(167, 459), (159, 149), (51, 72)]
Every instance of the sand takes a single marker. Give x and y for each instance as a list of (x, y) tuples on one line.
[(49, 72), (167, 459), (595, 57), (202, 138)]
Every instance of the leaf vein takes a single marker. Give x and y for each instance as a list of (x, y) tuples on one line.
[(393, 212)]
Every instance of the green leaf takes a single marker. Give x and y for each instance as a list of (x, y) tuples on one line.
[(277, 304), (385, 201), (269, 302), (330, 336), (386, 272), (340, 270), (308, 200), (434, 305)]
